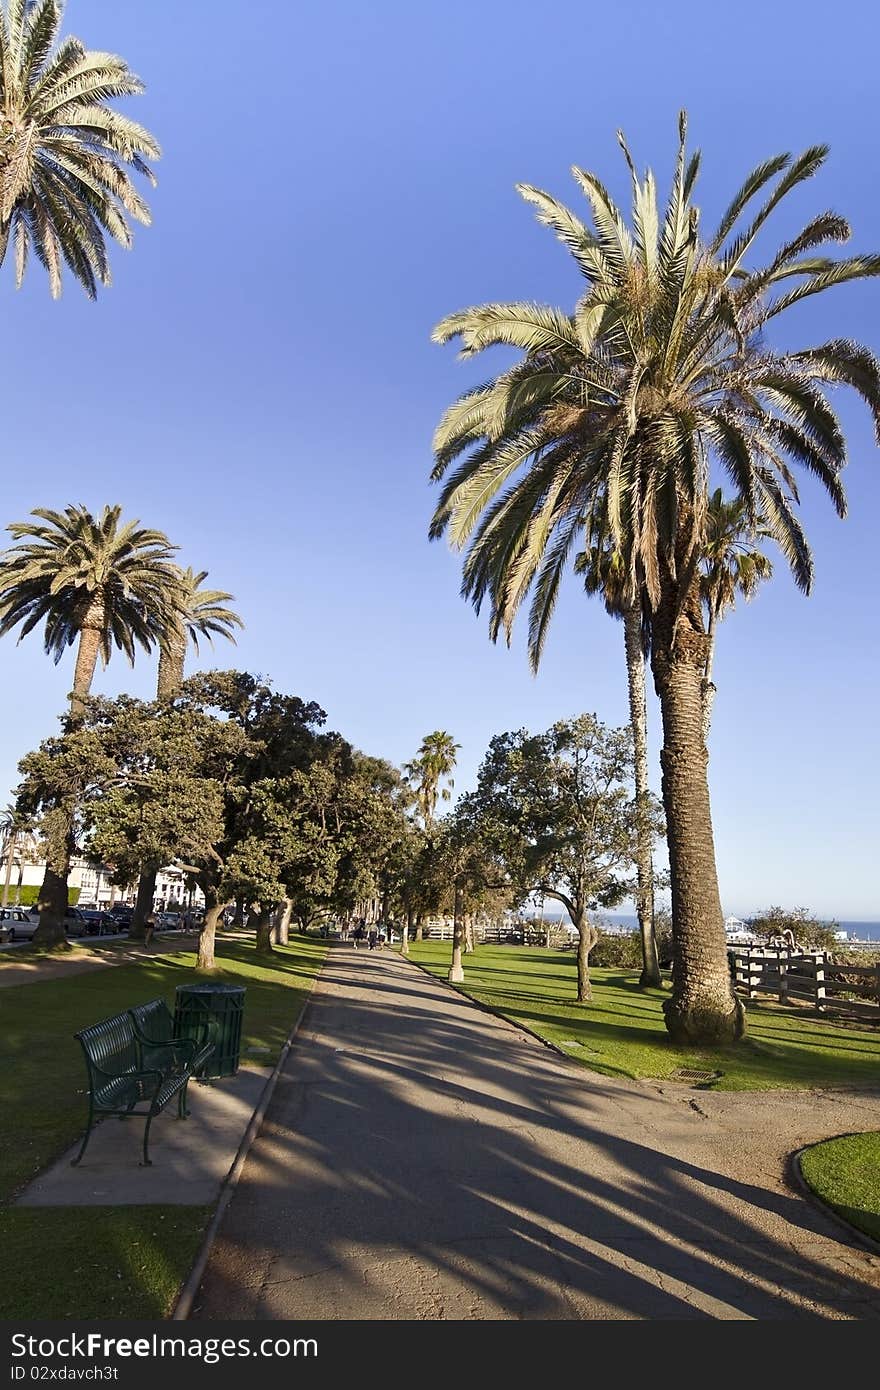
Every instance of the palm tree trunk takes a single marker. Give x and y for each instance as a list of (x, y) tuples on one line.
[(171, 663), (456, 972), (708, 687), (59, 822), (87, 654), (703, 1008), (638, 715), (10, 856)]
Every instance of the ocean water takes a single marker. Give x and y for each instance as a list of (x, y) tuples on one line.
[(860, 931)]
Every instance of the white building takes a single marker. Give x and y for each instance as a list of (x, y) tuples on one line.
[(172, 890)]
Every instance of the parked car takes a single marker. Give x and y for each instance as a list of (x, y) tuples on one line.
[(17, 924), (122, 914), (169, 921), (75, 922), (100, 923)]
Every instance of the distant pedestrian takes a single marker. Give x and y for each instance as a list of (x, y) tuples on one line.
[(373, 938), (358, 935), (149, 927)]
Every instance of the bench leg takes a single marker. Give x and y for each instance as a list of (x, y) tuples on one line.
[(147, 1161), (78, 1159), (182, 1111)]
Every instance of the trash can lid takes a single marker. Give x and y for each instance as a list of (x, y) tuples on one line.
[(210, 989)]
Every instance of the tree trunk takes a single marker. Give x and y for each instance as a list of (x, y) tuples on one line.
[(420, 930), (10, 856), (281, 922), (468, 933), (638, 715), (59, 822), (456, 972), (207, 935), (407, 927), (238, 915), (703, 1008), (171, 664), (587, 938), (57, 831), (87, 656), (146, 892), (708, 689), (262, 921)]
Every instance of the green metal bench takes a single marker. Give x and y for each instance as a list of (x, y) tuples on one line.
[(154, 1031), (127, 1071)]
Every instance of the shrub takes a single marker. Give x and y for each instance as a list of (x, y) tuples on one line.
[(622, 949), (809, 933), (31, 891)]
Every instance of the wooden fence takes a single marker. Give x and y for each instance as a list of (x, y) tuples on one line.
[(807, 977)]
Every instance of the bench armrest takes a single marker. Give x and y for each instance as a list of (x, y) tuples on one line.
[(175, 1043), (131, 1075)]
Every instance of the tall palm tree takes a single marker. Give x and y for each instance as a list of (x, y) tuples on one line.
[(603, 573), (732, 564), (201, 614), (98, 582), (64, 153), (621, 407), (10, 827), (432, 764)]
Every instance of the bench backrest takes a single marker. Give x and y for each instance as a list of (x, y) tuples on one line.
[(110, 1045), (154, 1020)]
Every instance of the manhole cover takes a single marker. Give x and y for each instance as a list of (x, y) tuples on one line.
[(695, 1076)]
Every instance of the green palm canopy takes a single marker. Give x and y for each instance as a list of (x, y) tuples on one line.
[(612, 419), (202, 614), (65, 154), (434, 762), (99, 581)]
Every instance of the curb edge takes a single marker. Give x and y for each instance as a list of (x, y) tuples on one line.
[(799, 1182), (186, 1297)]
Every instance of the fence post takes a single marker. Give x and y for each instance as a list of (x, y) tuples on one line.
[(820, 982)]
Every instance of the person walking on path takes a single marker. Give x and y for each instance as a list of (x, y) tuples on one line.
[(358, 934), (373, 938), (149, 927)]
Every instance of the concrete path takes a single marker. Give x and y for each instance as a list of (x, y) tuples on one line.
[(424, 1160), (93, 954), (190, 1158)]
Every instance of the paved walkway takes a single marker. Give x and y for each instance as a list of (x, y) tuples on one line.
[(190, 1158), (424, 1160), (94, 953)]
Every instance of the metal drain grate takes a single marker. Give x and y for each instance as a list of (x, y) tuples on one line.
[(695, 1076)]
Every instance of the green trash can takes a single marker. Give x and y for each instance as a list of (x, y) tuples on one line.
[(225, 1004)]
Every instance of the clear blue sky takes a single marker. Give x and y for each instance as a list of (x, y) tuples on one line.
[(260, 383)]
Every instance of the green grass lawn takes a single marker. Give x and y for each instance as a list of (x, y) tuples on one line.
[(622, 1032), (124, 1262), (845, 1173)]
